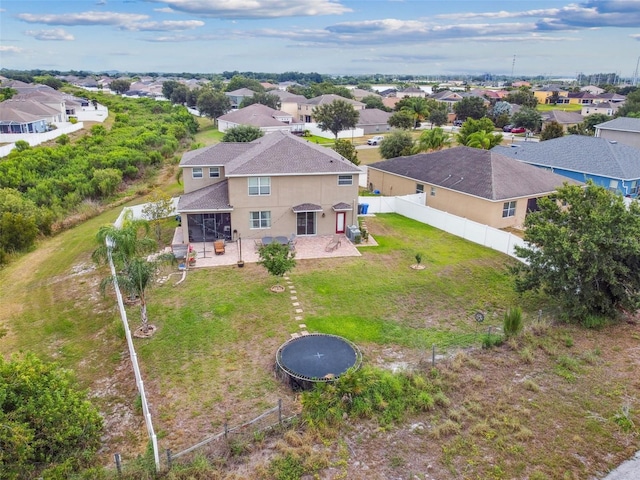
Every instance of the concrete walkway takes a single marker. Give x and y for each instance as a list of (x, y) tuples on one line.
[(629, 470)]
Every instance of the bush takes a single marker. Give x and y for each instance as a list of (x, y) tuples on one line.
[(512, 323)]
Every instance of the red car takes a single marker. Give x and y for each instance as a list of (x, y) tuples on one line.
[(518, 130)]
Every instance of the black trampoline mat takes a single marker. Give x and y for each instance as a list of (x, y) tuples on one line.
[(318, 356)]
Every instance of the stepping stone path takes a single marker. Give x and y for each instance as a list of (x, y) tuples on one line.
[(297, 309)]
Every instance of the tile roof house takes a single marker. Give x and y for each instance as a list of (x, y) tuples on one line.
[(483, 186), (607, 163), (257, 115), (276, 185), (622, 129)]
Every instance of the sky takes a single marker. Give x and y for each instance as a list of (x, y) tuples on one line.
[(337, 37)]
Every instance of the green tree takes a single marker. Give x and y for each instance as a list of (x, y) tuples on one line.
[(631, 107), (127, 242), (50, 81), (470, 107), (22, 145), (179, 94), (242, 133), (595, 119), (167, 88), (106, 181), (6, 93), (347, 150), (481, 140), (417, 107), (336, 116), (238, 81), (396, 144), (18, 232), (46, 423), (159, 207), (432, 140), (402, 119), (438, 117), (374, 101), (277, 259), (528, 118), (120, 85), (524, 96), (472, 126), (552, 130), (213, 104), (583, 250), (268, 99)]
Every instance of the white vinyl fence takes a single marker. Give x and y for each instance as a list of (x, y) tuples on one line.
[(36, 138), (412, 206)]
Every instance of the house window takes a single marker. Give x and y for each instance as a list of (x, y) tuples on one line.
[(345, 179), (433, 191), (214, 172), (613, 185), (196, 173), (259, 219), (419, 188), (634, 188), (259, 186), (508, 209)]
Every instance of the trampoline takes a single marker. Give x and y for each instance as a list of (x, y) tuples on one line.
[(314, 358)]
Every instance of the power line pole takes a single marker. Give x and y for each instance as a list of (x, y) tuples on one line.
[(513, 66)]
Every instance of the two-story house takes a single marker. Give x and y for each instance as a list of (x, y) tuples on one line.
[(260, 116), (276, 185), (622, 129), (305, 108), (237, 96)]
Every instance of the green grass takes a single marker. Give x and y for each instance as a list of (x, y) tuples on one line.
[(567, 107)]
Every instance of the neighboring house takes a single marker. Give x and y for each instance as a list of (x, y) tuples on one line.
[(612, 165), (373, 120), (278, 184), (545, 95), (288, 101), (611, 98), (359, 94), (305, 109), (413, 92), (592, 89), (605, 108), (566, 119), (520, 83), (238, 95), (483, 186), (581, 98), (625, 130), (447, 97), (28, 116), (257, 115)]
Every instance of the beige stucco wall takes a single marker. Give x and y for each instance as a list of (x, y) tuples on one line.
[(627, 138), (286, 192), (191, 184), (474, 208)]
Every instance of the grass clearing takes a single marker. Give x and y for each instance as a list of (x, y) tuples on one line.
[(524, 404)]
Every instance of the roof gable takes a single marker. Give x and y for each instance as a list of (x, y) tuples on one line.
[(622, 124)]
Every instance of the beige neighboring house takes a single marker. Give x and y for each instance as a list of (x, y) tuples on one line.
[(359, 94), (288, 101), (480, 185), (605, 108), (412, 92), (257, 115), (305, 109), (277, 185), (565, 119), (373, 120), (625, 130)]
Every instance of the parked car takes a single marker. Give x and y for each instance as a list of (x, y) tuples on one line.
[(458, 123), (518, 130), (375, 140), (507, 128)]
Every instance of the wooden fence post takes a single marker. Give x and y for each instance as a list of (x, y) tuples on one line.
[(433, 355), (169, 460), (118, 463)]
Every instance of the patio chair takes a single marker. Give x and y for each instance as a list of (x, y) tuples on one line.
[(218, 247)]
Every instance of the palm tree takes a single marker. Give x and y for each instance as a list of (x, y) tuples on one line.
[(125, 242), (432, 140), (480, 139), (418, 108), (138, 276)]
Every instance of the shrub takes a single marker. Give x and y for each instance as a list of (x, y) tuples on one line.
[(512, 323)]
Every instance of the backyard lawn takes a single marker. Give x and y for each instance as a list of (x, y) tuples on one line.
[(211, 360)]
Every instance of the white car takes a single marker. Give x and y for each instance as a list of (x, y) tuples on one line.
[(375, 140)]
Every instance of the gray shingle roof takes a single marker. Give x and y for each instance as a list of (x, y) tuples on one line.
[(579, 153), (621, 124), (563, 118), (277, 153), (213, 197), (481, 173), (330, 98), (373, 116), (256, 115)]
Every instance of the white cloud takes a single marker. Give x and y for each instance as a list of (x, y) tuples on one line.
[(56, 34), (257, 8), (164, 10), (84, 18), (11, 49), (165, 26)]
